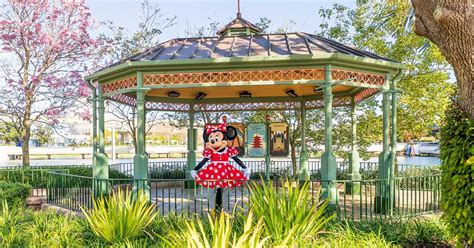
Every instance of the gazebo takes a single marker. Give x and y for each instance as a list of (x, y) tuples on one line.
[(242, 69)]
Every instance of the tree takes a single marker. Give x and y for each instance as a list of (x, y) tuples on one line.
[(8, 133), (127, 115), (381, 27), (48, 46), (122, 45), (43, 135), (449, 24)]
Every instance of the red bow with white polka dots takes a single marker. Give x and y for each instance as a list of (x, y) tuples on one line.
[(217, 127)]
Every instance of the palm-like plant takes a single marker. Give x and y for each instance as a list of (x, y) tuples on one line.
[(118, 218), (288, 215)]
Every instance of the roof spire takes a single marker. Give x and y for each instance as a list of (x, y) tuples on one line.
[(239, 15), (239, 26)]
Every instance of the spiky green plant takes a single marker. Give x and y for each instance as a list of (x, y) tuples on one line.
[(10, 226), (195, 235), (118, 217), (348, 236), (288, 215), (48, 229)]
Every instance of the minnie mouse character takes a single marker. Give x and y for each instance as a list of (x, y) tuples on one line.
[(219, 173)]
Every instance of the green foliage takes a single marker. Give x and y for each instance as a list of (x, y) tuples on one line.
[(427, 232), (383, 27), (457, 154), (38, 177), (220, 233), (118, 217), (14, 193), (288, 215), (43, 134), (25, 228), (8, 133), (347, 236), (168, 173)]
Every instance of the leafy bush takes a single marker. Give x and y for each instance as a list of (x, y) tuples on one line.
[(14, 193), (168, 173), (38, 177), (427, 232), (221, 234), (25, 228), (347, 236), (289, 216), (118, 217), (457, 181)]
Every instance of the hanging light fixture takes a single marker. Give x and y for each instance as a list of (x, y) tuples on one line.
[(291, 93), (173, 94), (200, 96), (245, 94)]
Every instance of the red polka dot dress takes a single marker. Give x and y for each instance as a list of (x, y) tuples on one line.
[(220, 173)]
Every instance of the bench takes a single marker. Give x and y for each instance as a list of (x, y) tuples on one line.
[(48, 155)]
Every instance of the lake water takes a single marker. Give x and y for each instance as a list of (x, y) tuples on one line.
[(421, 161)]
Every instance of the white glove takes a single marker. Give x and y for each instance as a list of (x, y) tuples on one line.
[(194, 174), (247, 173)]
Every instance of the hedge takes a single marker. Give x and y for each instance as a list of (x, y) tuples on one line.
[(457, 155), (14, 193)]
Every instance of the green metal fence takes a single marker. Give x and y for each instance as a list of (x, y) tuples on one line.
[(409, 195)]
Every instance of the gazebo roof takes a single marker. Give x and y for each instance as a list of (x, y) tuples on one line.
[(261, 45), (241, 69)]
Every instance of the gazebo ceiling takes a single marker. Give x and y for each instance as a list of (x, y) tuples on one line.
[(278, 90)]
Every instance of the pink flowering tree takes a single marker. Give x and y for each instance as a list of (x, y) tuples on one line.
[(45, 47)]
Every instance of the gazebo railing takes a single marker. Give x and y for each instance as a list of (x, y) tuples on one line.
[(410, 195)]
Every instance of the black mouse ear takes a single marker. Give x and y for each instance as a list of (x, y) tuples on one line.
[(205, 136), (231, 132)]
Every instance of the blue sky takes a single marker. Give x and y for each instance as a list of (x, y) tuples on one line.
[(304, 13)]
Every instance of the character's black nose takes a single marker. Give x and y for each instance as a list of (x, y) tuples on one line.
[(212, 142)]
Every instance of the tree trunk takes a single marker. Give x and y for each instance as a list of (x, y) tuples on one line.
[(25, 145), (449, 24), (25, 134)]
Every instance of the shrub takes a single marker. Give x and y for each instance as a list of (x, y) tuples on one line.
[(457, 181), (38, 177), (168, 173), (14, 193), (289, 216), (25, 228), (53, 230), (348, 236), (431, 232), (118, 217)]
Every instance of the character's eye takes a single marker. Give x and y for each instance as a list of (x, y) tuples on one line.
[(218, 139)]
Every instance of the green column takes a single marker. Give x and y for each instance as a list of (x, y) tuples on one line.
[(382, 198), (328, 161), (304, 171), (354, 166), (393, 89), (192, 144), (94, 129), (267, 148), (101, 171), (140, 160)]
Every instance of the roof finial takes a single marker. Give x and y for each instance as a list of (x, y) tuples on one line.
[(239, 15)]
